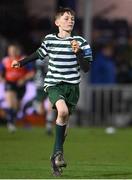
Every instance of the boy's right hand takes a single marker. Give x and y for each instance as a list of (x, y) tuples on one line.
[(75, 46), (15, 64)]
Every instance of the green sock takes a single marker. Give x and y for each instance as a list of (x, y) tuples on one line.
[(59, 139)]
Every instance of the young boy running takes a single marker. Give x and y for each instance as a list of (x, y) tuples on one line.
[(67, 54)]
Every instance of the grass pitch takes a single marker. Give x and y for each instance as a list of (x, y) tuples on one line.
[(89, 151)]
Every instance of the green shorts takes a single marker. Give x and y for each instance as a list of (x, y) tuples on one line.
[(41, 95), (68, 92)]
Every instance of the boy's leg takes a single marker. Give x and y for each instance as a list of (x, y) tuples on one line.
[(61, 122), (57, 159), (58, 98)]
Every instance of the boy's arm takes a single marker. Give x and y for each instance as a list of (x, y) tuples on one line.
[(32, 57), (84, 63), (41, 53), (28, 59)]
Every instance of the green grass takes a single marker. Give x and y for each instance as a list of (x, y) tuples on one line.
[(89, 151)]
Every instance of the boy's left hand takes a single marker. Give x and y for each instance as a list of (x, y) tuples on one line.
[(75, 46)]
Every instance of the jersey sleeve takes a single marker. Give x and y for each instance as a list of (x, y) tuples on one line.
[(87, 52), (42, 50)]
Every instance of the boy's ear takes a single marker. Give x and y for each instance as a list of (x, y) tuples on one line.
[(56, 22)]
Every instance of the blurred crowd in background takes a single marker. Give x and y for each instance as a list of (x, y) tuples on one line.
[(111, 40), (112, 50)]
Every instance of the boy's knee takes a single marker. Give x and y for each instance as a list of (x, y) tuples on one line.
[(63, 113)]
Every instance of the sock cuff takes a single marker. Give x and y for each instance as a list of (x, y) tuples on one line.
[(61, 124)]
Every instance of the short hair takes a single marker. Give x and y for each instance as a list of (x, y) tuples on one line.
[(62, 10)]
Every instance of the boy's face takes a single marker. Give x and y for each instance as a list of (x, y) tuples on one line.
[(65, 22)]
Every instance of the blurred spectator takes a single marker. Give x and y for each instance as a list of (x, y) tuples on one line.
[(15, 82), (103, 72), (103, 68)]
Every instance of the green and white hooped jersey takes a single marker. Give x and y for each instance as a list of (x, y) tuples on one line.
[(63, 65)]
